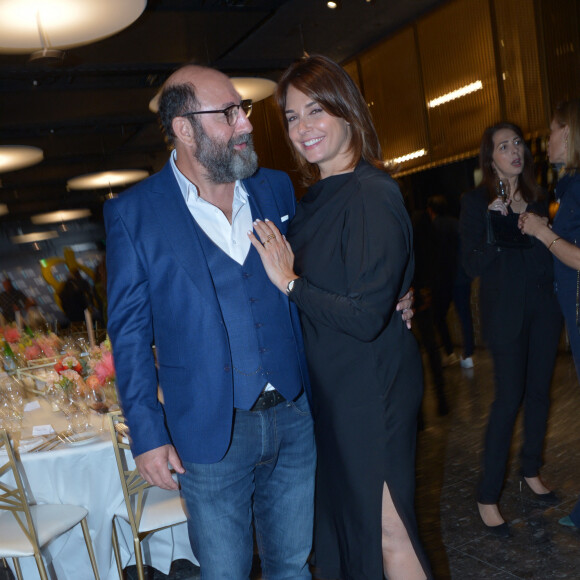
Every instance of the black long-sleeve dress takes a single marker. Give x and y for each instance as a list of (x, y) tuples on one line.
[(352, 240)]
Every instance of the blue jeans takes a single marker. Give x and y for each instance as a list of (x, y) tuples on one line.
[(267, 473)]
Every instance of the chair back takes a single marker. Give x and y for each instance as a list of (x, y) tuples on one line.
[(13, 498), (132, 483)]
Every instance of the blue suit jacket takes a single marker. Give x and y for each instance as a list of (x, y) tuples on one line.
[(160, 292)]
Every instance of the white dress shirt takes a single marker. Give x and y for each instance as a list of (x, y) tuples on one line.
[(231, 238)]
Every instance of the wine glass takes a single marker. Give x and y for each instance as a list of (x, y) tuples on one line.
[(503, 190)]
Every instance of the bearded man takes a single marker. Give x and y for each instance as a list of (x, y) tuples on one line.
[(183, 276)]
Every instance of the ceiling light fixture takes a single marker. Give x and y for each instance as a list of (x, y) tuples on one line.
[(44, 25), (56, 217), (13, 157), (254, 88), (466, 90), (107, 179), (404, 158), (332, 5), (34, 237)]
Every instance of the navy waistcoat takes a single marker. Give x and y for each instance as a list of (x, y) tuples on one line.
[(257, 318)]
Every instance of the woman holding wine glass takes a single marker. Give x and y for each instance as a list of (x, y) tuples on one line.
[(520, 319)]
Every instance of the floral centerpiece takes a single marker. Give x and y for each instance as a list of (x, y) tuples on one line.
[(19, 347), (91, 377)]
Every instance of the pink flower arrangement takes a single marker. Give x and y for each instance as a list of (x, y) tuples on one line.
[(93, 383), (33, 352), (11, 334), (101, 362), (49, 344)]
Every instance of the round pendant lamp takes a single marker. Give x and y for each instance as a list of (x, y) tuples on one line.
[(254, 88), (56, 217), (34, 237), (30, 25), (13, 157), (107, 179)]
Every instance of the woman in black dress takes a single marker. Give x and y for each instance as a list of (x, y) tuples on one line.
[(520, 318), (352, 259)]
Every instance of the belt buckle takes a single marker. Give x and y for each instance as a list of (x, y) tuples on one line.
[(267, 400)]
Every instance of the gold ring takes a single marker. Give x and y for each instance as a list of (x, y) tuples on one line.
[(270, 237), (266, 242)]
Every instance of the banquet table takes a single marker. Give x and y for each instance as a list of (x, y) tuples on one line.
[(85, 473)]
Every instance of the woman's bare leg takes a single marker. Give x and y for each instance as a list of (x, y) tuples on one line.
[(400, 561)]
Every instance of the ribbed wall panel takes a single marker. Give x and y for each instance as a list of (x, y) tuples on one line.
[(561, 28), (456, 48), (519, 64), (392, 87)]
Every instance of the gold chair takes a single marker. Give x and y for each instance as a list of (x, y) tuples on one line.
[(146, 508), (25, 528)]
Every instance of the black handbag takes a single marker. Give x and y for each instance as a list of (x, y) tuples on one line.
[(503, 231)]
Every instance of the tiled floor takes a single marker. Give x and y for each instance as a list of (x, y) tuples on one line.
[(447, 471), (448, 467)]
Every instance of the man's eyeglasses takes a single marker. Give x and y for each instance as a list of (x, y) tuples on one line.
[(232, 112)]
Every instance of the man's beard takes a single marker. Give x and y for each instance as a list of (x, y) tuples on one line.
[(223, 163)]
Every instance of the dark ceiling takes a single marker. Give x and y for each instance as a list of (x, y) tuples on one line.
[(90, 113)]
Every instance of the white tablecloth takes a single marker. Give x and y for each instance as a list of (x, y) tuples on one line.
[(87, 475)]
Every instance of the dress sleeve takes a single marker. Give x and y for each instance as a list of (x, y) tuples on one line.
[(130, 327), (376, 250)]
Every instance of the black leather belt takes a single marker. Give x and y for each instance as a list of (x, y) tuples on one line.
[(267, 399)]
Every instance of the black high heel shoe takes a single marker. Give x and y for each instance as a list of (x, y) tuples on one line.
[(499, 531), (550, 498)]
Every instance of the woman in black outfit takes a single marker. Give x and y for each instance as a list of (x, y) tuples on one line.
[(352, 243), (520, 319)]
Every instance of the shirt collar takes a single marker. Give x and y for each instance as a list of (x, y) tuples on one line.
[(190, 192)]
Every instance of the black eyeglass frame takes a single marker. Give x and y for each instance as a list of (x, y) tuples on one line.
[(246, 105)]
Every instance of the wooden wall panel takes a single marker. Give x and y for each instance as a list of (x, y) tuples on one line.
[(392, 87), (456, 49), (560, 21), (518, 62)]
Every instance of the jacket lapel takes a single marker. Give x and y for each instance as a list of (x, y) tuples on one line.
[(181, 233), (262, 200)]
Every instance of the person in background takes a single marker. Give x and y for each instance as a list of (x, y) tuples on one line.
[(13, 300), (347, 260), (462, 302), (423, 321), (520, 319), (445, 245), (563, 238), (450, 281), (76, 296)]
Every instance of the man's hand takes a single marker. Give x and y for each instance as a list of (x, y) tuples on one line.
[(406, 305), (154, 466)]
